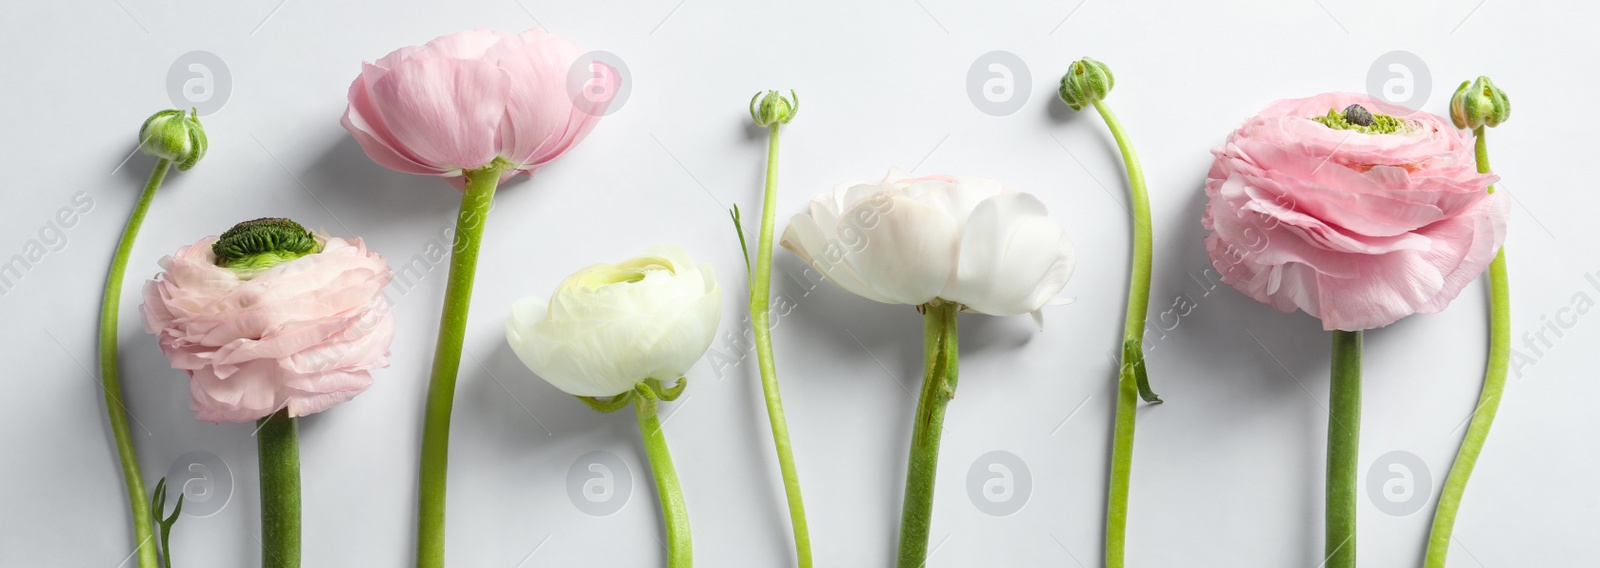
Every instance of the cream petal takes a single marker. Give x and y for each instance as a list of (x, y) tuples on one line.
[(610, 326)]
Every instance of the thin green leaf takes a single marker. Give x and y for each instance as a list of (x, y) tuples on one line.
[(744, 248), (1133, 355)]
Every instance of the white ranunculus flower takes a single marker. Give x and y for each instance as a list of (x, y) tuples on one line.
[(610, 326), (909, 240)]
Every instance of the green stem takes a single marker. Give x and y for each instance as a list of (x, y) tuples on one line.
[(1139, 198), (1344, 441), (760, 293), (278, 446), (475, 206), (111, 301), (680, 550), (1494, 385), (1131, 380), (1121, 466), (940, 347)]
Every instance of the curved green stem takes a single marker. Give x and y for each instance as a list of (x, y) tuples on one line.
[(1131, 380), (475, 206), (111, 301), (1143, 240), (940, 347), (1344, 442), (760, 293), (1494, 385), (680, 550), (278, 447)]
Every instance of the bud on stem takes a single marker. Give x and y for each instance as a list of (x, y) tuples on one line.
[(774, 108), (172, 135), (1086, 81), (1479, 103)]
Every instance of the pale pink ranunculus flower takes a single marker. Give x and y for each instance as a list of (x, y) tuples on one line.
[(1358, 230), (463, 100), (303, 335)]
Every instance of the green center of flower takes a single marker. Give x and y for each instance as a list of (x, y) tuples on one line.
[(1359, 119), (259, 244), (633, 271), (629, 276)]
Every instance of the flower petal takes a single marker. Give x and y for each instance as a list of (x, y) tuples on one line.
[(444, 112), (1013, 259), (909, 255)]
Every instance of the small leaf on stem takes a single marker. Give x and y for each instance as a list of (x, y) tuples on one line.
[(744, 249), (1133, 356)]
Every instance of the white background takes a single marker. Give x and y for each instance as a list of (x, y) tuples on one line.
[(1227, 473)]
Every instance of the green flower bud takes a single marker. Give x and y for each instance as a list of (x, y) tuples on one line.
[(259, 244), (1086, 81), (774, 109), (1479, 103), (171, 135)]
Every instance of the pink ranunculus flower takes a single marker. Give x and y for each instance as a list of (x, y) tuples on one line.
[(302, 335), (464, 100), (1357, 229)]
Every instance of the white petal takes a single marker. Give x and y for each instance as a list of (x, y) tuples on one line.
[(908, 255), (1013, 258), (956, 198), (808, 240)]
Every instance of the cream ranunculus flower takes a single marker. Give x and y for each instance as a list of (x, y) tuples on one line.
[(610, 326), (909, 240)]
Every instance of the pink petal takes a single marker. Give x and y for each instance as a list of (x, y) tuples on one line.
[(544, 120), (364, 122), (444, 112)]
